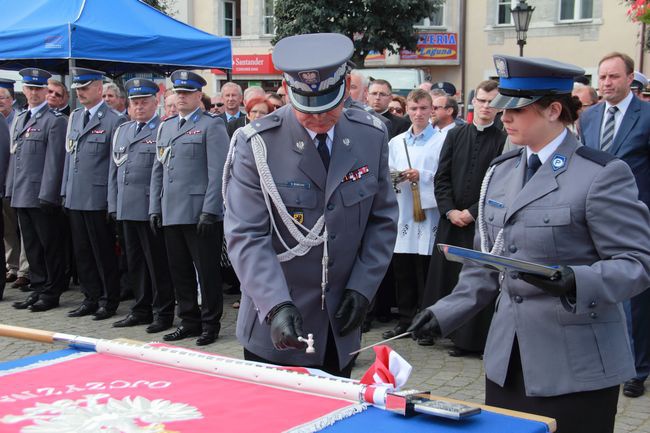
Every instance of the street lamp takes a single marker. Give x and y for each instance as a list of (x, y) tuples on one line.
[(521, 15)]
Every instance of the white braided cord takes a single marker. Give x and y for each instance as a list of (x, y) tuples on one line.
[(497, 247)]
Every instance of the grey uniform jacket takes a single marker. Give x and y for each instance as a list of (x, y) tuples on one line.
[(130, 173), (36, 163), (580, 209), (4, 155), (85, 175), (360, 216), (187, 172)]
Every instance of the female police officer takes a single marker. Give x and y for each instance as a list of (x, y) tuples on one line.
[(556, 347)]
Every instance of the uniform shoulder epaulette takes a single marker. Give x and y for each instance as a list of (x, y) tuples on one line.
[(77, 109), (170, 118), (595, 155), (364, 117), (260, 125), (117, 113), (506, 156), (213, 115)]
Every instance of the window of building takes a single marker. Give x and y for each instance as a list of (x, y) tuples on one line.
[(572, 10), (232, 18), (435, 19), (269, 17), (504, 17)]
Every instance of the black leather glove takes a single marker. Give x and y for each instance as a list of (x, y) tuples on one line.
[(563, 283), (352, 310), (207, 225), (424, 324), (286, 327), (48, 208), (155, 222)]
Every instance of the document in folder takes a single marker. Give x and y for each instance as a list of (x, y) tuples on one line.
[(500, 263)]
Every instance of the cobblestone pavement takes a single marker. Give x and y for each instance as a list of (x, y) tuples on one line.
[(434, 370)]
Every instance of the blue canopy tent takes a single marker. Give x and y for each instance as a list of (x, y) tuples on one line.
[(115, 36)]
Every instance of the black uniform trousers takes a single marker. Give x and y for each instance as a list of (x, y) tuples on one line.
[(578, 412), (43, 236), (148, 271), (330, 363), (93, 242), (410, 272), (190, 255)]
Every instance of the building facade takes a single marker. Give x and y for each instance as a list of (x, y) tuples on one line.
[(455, 43)]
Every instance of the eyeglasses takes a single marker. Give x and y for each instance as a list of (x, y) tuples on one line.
[(217, 105), (55, 93), (379, 95), (396, 110), (277, 106), (438, 107)]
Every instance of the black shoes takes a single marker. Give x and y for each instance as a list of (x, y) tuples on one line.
[(83, 310), (41, 305), (131, 320), (633, 388), (425, 341), (207, 337), (180, 333), (23, 305), (103, 313), (159, 325), (399, 329)]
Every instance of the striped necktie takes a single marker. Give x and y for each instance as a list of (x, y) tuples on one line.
[(608, 131)]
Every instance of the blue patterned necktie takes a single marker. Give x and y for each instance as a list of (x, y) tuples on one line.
[(608, 131)]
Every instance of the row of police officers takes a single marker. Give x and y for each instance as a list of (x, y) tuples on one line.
[(97, 168)]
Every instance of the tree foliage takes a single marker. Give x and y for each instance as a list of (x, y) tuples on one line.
[(164, 6), (373, 25)]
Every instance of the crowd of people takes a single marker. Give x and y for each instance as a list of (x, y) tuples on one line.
[(322, 203)]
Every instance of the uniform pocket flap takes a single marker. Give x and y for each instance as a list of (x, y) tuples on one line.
[(96, 138), (352, 192), (298, 197), (598, 315), (547, 217), (197, 190)]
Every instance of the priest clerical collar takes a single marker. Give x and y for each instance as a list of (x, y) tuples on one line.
[(421, 138), (482, 128)]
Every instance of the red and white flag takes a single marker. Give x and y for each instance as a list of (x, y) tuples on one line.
[(389, 372)]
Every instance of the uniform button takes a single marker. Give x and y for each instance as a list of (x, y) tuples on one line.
[(593, 304), (491, 218), (330, 206), (330, 262), (518, 299), (332, 236), (327, 289), (512, 248), (361, 193), (297, 201), (126, 171), (18, 157), (514, 275), (128, 162), (171, 180), (126, 183), (593, 315), (170, 168), (546, 220)]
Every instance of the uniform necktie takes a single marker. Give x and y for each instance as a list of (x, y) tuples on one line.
[(323, 151), (181, 123), (608, 131), (28, 116), (533, 164), (139, 128), (86, 117)]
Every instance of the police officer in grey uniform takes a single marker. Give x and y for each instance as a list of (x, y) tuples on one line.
[(134, 151), (85, 192), (324, 170), (35, 171), (186, 202), (557, 346)]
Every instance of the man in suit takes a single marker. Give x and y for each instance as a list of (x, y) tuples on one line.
[(57, 96), (85, 192), (233, 96), (186, 203), (380, 93), (328, 170), (620, 125), (35, 172), (134, 151)]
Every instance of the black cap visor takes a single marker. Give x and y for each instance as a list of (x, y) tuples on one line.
[(317, 104)]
